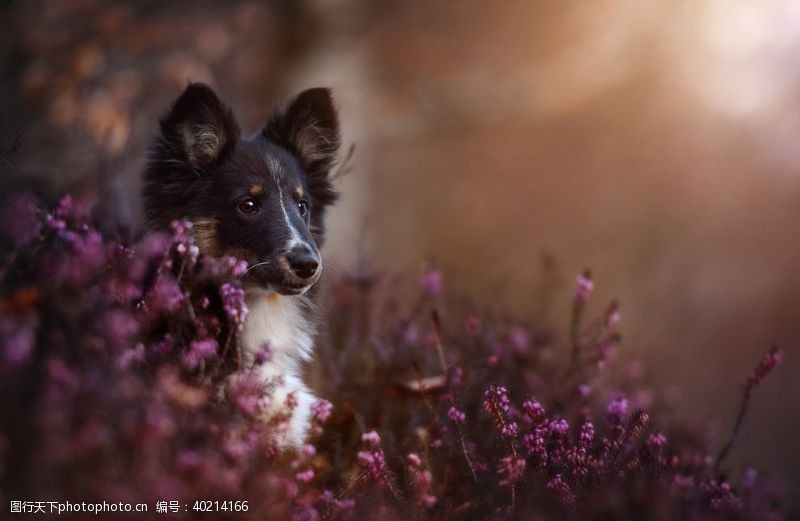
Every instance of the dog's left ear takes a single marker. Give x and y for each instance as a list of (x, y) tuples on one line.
[(309, 127), (201, 126)]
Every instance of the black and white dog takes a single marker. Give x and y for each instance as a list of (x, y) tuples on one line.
[(262, 199)]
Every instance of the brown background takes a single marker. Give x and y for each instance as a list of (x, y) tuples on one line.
[(654, 141)]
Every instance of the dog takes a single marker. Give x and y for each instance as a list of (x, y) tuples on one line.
[(263, 199)]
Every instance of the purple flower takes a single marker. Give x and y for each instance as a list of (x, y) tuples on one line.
[(534, 411), (656, 442), (199, 351), (321, 411), (536, 446), (19, 219), (262, 355), (456, 416), (233, 302), (583, 287), (17, 337), (166, 295), (612, 315), (519, 339), (432, 283), (305, 476), (617, 409), (371, 439), (472, 325), (560, 490), (586, 435), (496, 405), (764, 367), (421, 481), (558, 428), (511, 470)]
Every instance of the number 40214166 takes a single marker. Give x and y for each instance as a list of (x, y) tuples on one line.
[(220, 506)]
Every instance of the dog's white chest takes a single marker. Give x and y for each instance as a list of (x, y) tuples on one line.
[(281, 323), (284, 325)]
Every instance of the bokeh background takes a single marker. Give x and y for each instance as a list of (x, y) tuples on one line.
[(514, 143)]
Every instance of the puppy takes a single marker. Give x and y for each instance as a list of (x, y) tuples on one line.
[(260, 198)]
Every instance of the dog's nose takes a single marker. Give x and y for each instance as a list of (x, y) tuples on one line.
[(303, 262)]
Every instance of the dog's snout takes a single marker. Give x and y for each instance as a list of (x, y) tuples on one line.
[(303, 261)]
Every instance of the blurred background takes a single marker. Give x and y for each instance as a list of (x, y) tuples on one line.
[(514, 143)]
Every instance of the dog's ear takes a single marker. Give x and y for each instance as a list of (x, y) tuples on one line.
[(199, 127), (309, 127)]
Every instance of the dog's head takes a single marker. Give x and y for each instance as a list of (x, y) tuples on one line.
[(261, 198)]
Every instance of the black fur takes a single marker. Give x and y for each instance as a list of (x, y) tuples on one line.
[(202, 170)]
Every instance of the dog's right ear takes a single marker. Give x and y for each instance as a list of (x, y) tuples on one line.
[(199, 127)]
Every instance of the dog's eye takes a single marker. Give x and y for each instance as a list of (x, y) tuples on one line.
[(248, 206), (303, 207)]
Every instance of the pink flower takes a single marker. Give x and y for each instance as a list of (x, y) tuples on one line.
[(764, 367), (371, 439), (305, 476), (583, 287), (432, 283), (456, 416)]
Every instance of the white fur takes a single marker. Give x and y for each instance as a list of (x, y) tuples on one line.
[(285, 324)]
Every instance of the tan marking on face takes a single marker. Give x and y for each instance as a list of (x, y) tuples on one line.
[(255, 191), (299, 192), (205, 234), (272, 297)]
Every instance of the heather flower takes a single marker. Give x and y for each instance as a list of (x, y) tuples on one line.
[(19, 219), (749, 477), (764, 367), (262, 355), (166, 295), (612, 315), (199, 351), (235, 266), (17, 337), (411, 334), (431, 283), (83, 258), (456, 376), (558, 428), (371, 439), (561, 491), (496, 405), (371, 459), (519, 339), (308, 450), (586, 435), (536, 446), (120, 326), (656, 442), (510, 470), (305, 476), (722, 497), (194, 431), (617, 409), (421, 482), (533, 411), (456, 416), (248, 394), (321, 411), (233, 302), (583, 287), (64, 207), (472, 325)]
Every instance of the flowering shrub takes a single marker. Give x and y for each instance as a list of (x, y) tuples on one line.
[(128, 384)]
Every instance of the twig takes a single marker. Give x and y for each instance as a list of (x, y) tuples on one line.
[(437, 333), (767, 363)]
